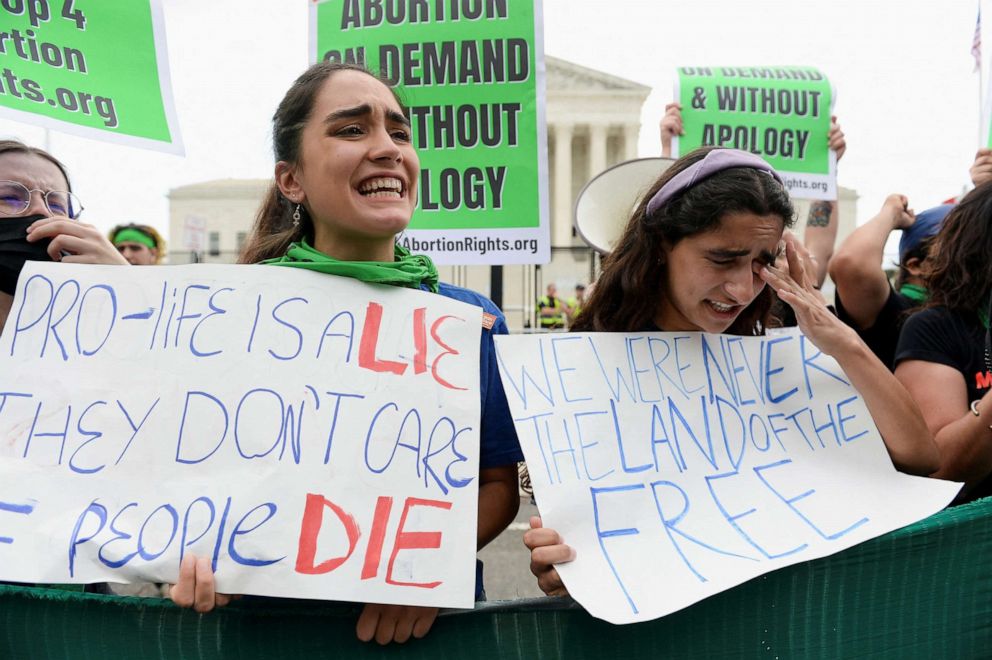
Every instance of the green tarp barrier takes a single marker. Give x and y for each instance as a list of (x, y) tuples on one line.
[(924, 591)]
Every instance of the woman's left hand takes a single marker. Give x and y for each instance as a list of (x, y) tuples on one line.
[(82, 243), (394, 623), (794, 285), (891, 407)]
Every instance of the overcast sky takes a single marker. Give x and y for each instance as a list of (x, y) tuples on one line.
[(906, 94)]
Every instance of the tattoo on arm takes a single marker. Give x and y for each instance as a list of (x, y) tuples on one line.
[(819, 214)]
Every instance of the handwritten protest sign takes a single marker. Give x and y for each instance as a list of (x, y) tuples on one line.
[(97, 69), (316, 436), (472, 74), (680, 465), (780, 113)]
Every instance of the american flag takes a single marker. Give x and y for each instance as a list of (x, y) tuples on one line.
[(976, 42)]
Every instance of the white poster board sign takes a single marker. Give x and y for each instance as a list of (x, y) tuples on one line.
[(316, 436), (680, 465), (195, 233)]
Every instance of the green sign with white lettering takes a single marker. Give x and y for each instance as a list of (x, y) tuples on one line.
[(89, 67)]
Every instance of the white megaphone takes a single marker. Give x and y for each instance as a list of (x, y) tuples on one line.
[(606, 203)]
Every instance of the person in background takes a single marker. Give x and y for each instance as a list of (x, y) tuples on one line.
[(943, 355), (696, 255), (551, 309), (39, 222), (345, 186), (865, 299), (39, 218), (820, 233), (576, 302), (141, 245)]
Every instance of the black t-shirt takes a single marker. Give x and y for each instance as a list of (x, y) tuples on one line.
[(883, 335), (958, 341)]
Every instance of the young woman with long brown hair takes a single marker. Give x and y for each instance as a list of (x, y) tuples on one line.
[(696, 255), (345, 185), (943, 355)]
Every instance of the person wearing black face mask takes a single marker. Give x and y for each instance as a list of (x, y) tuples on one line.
[(15, 250), (38, 218), (39, 222)]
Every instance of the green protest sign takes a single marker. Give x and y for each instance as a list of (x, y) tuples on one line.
[(780, 113), (986, 120), (90, 67), (472, 75)]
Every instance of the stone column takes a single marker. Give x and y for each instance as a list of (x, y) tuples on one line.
[(561, 226), (630, 134), (597, 149)]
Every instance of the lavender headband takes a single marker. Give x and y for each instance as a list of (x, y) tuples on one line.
[(713, 162)]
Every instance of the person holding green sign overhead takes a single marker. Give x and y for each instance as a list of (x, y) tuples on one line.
[(699, 254), (39, 218), (345, 186)]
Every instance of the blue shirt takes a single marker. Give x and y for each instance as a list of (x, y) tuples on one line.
[(498, 444), (497, 437)]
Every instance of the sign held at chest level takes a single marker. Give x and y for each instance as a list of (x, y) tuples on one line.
[(314, 436), (682, 464)]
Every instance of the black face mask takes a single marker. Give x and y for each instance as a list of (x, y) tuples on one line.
[(15, 250)]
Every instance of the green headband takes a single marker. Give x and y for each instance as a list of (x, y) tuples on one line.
[(132, 235)]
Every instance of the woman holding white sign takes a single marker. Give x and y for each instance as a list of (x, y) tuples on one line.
[(702, 244), (39, 218), (345, 186)]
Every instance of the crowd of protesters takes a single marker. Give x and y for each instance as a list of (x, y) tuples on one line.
[(706, 249)]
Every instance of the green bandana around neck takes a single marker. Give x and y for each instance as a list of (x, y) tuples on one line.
[(914, 292), (407, 270), (132, 235)]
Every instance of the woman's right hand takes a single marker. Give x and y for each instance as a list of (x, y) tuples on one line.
[(75, 242), (196, 587), (547, 549)]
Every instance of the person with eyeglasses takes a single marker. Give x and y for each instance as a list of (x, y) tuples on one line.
[(39, 218), (141, 245)]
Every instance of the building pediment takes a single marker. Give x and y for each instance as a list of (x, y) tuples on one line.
[(563, 76)]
